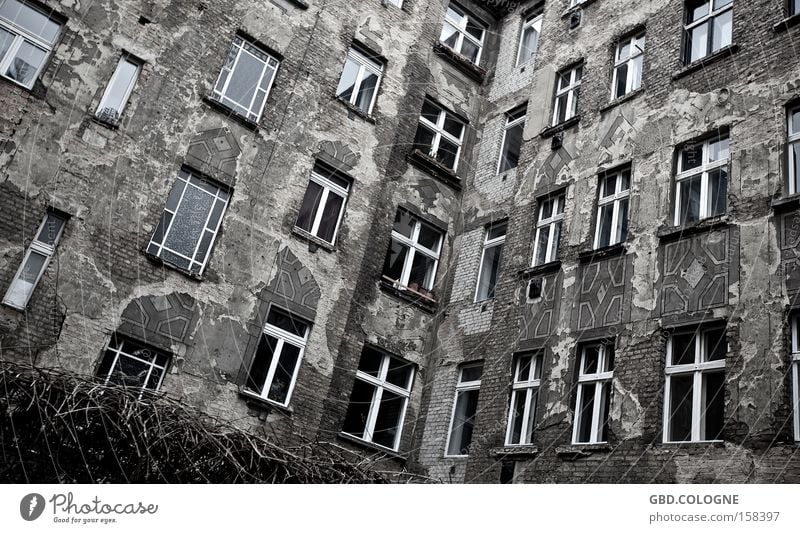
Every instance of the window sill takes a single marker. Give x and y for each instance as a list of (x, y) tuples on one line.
[(371, 446), (355, 110), (723, 52), (14, 307), (537, 270), (602, 253), (263, 404), (670, 233), (404, 293), (695, 444), (552, 130), (515, 450), (37, 90), (434, 168), (299, 3), (313, 241), (460, 62), (230, 113), (160, 262), (622, 99), (786, 203), (113, 126), (786, 23), (573, 452)]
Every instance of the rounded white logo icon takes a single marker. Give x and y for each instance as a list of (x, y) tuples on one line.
[(31, 506)]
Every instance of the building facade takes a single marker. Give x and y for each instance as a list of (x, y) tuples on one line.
[(479, 241)]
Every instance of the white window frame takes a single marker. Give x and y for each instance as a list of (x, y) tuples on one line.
[(439, 131), (413, 248), (461, 28), (795, 362), (487, 244), (549, 225), (328, 188), (793, 8), (616, 199), (696, 369), (461, 386), (396, 3), (688, 27), (575, 75), (535, 22), (186, 176), (126, 58), (793, 138), (118, 350), (365, 65), (636, 46), (602, 380), (380, 385), (573, 3), (704, 170), (22, 35), (240, 46), (514, 118), (283, 337), (530, 388), (42, 248)]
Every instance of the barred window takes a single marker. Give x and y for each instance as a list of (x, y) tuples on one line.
[(133, 364)]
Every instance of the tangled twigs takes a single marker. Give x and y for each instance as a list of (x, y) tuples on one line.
[(60, 427)]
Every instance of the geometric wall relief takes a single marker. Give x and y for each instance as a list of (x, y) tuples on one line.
[(696, 272), (293, 286), (338, 154), (602, 292), (160, 320), (214, 152), (540, 316), (790, 251)]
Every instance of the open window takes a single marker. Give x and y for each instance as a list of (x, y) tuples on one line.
[(439, 135), (490, 260), (568, 84), (463, 33), (413, 254), (524, 396), (593, 400), (360, 79), (549, 218), (628, 66), (118, 90), (465, 407), (529, 39), (512, 139)]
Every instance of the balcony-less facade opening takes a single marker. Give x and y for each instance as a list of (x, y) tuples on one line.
[(35, 261), (568, 84), (413, 254), (465, 407), (793, 149), (524, 396), (701, 185), (593, 400), (323, 203), (795, 370), (133, 364), (628, 66), (463, 34), (548, 228), (512, 139), (708, 28), (490, 261), (439, 135), (361, 78), (118, 90), (379, 399), (27, 38), (612, 208), (529, 39), (694, 397), (273, 372)]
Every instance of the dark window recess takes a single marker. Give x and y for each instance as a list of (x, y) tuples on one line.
[(535, 288)]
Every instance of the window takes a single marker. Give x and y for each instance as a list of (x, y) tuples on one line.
[(612, 208), (380, 396), (360, 80), (548, 229), (794, 150), (701, 187), (118, 90), (512, 139), (628, 60), (35, 261), (323, 204), (462, 33), (465, 408), (709, 27), (396, 3), (413, 254), (277, 358), (573, 3), (439, 135), (27, 37), (568, 84), (525, 391), (529, 39), (490, 261), (694, 398), (794, 7), (189, 223), (133, 364), (796, 375), (593, 401), (245, 79)]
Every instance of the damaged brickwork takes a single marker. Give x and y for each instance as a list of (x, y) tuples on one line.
[(738, 269)]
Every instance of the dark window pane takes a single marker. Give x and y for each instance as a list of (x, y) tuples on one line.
[(691, 157), (591, 359), (517, 413), (259, 369), (216, 214), (308, 210), (561, 106), (284, 372), (696, 10), (51, 228), (680, 408), (155, 379), (683, 348), (606, 409), (489, 272), (716, 344), (453, 126), (463, 422), (429, 237), (471, 373), (689, 200), (330, 217), (387, 423), (365, 92), (422, 272), (794, 154), (605, 229), (287, 322), (713, 404), (524, 367), (395, 259), (129, 372), (404, 223), (355, 421), (609, 360), (370, 362), (430, 111), (542, 244), (447, 153), (718, 192), (622, 79), (623, 220), (399, 372), (511, 149), (202, 250), (585, 411)]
